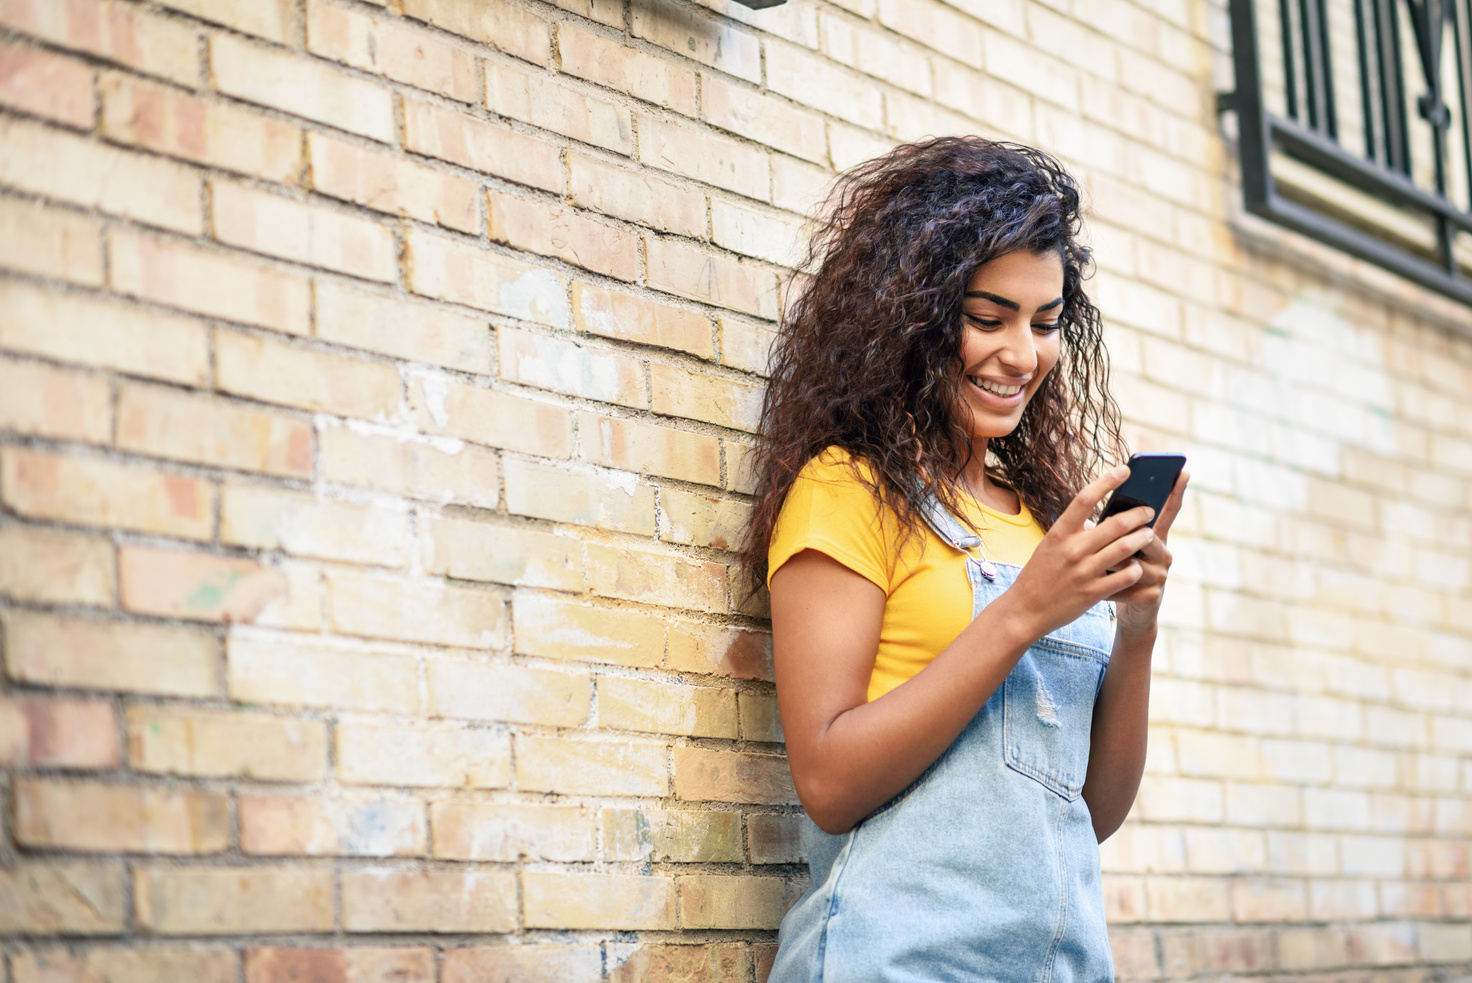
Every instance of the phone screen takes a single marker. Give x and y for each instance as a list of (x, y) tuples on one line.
[(1152, 476)]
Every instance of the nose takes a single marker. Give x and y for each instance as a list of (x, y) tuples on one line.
[(1019, 353)]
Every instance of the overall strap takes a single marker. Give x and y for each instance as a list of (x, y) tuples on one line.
[(947, 526)]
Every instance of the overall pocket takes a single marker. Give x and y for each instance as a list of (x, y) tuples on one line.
[(1048, 710)]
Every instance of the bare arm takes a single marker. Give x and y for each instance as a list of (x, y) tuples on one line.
[(849, 756), (1121, 714)]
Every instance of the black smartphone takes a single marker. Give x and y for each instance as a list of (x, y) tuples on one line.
[(1152, 476)]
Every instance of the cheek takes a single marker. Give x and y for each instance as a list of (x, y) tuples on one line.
[(1049, 350)]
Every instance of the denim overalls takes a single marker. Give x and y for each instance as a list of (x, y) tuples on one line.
[(986, 868)]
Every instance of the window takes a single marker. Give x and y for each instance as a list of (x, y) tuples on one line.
[(1352, 128)]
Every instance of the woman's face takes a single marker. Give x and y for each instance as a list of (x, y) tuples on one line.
[(1010, 316)]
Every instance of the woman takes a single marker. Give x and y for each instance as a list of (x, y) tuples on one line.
[(962, 657)]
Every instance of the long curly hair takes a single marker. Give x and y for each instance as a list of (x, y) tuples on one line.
[(868, 357)]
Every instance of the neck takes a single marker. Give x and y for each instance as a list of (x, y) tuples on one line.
[(975, 475)]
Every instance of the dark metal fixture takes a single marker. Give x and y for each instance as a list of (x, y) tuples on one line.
[(1401, 153)]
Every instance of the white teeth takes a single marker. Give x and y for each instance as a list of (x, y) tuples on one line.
[(995, 387)]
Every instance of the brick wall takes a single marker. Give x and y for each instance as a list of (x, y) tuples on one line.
[(375, 381)]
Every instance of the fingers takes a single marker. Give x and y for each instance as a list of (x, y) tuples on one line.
[(1172, 507), (1118, 525), (1088, 499), (1113, 555)]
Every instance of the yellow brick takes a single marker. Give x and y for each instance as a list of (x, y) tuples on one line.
[(108, 335), (556, 963), (59, 733), (656, 578), (115, 964), (389, 184), (277, 373), (133, 658), (216, 744), (97, 818), (607, 12), (317, 826), (873, 53), (301, 86), (380, 46), (300, 524), (76, 169), (591, 901), (637, 195), (162, 119), (384, 606), (274, 20), (732, 776), (201, 429), (552, 230), (798, 187), (45, 897), (655, 836), (747, 345), (759, 719), (719, 650), (48, 402), (468, 550), (596, 58), (485, 416), (690, 270), (435, 469), (50, 242), (205, 587), (724, 402), (211, 282), (101, 493), (294, 670), (772, 122), (50, 566), (508, 832), (587, 767), (481, 146), (704, 963), (546, 103), (508, 693), (232, 901), (602, 499), (616, 315), (725, 901), (372, 964), (451, 270), (120, 32), (701, 520), (760, 232), (422, 755), (506, 28), (1187, 899), (562, 365), (631, 445), (310, 234), (695, 152), (662, 708), (554, 628), (428, 901), (708, 40), (775, 838)]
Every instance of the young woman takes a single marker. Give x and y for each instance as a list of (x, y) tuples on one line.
[(962, 656)]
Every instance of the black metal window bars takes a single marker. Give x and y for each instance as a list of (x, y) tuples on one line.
[(1386, 177)]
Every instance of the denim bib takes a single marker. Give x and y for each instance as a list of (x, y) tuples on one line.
[(986, 867)]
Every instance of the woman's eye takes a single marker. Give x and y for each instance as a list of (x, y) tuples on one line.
[(982, 322), (1046, 327)]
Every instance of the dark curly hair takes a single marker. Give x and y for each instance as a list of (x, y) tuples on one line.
[(869, 354)]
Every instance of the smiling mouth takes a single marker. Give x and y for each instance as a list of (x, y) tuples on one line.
[(995, 388)]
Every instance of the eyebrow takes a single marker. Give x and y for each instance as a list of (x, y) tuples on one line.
[(1011, 305)]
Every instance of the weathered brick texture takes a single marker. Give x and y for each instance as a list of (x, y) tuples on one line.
[(376, 383)]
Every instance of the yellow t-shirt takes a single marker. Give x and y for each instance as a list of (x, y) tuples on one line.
[(929, 599)]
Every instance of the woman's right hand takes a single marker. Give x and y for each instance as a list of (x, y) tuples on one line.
[(1078, 563)]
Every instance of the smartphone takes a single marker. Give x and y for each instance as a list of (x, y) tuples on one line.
[(1152, 476)]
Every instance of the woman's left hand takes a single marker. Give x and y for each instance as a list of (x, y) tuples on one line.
[(1138, 605)]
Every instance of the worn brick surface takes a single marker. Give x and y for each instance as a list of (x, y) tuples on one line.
[(377, 382)]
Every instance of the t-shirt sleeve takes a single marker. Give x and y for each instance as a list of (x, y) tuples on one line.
[(831, 510)]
